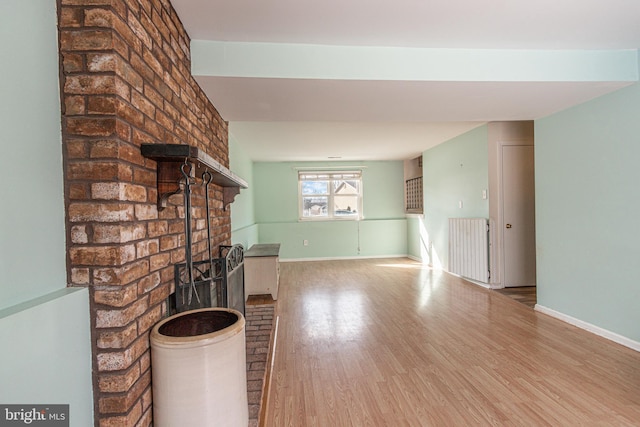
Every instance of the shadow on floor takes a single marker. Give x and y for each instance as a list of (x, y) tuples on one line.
[(524, 294)]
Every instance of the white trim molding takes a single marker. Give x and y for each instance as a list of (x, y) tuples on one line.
[(341, 258), (466, 279), (612, 336)]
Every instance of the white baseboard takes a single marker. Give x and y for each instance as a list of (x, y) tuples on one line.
[(414, 258), (475, 282), (341, 258), (612, 336), (484, 285)]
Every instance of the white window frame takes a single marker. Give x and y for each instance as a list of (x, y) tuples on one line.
[(331, 176)]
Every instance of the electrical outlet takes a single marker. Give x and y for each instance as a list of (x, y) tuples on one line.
[(305, 242)]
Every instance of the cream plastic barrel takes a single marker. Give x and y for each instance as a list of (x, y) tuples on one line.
[(198, 366)]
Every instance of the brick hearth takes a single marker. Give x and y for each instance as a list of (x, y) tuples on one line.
[(258, 331)]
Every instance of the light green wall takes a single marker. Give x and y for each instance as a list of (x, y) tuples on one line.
[(246, 236), (454, 171), (44, 326), (31, 162), (244, 229), (307, 61), (46, 353), (587, 209), (276, 190), (417, 238), (382, 232), (338, 239)]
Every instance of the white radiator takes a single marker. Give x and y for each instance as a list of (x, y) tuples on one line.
[(469, 248)]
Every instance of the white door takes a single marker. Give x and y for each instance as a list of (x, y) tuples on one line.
[(519, 233)]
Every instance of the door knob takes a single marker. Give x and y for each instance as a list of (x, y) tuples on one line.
[(508, 225)]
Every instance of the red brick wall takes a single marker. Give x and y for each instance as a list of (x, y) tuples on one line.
[(126, 80)]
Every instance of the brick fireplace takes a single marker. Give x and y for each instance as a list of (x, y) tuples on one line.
[(125, 81)]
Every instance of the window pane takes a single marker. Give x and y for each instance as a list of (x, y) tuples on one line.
[(315, 206), (345, 205), (345, 187), (315, 187)]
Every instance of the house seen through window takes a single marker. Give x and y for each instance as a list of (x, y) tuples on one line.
[(330, 195)]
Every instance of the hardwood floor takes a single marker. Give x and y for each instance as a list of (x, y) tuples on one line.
[(388, 342)]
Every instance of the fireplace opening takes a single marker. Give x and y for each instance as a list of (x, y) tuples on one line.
[(218, 282)]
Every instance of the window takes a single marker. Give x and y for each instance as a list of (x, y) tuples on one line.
[(330, 195)]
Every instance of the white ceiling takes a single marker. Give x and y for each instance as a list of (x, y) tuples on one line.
[(309, 119)]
